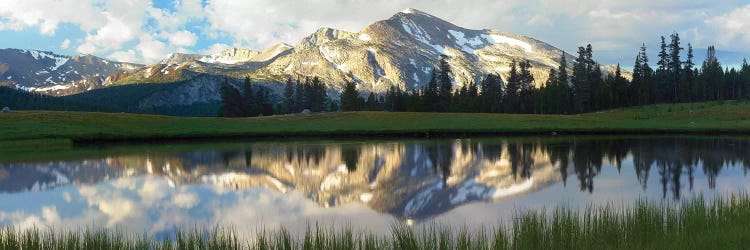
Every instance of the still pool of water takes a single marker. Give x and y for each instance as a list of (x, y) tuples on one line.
[(359, 184)]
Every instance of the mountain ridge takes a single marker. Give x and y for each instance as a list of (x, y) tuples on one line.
[(399, 51)]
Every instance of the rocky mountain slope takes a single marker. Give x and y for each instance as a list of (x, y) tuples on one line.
[(48, 72), (399, 51)]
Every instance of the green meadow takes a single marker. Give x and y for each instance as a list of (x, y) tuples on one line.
[(709, 118)]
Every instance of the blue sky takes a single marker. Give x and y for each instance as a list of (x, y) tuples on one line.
[(145, 31)]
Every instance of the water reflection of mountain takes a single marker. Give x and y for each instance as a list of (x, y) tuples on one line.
[(407, 179)]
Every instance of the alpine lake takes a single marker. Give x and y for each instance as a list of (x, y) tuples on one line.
[(368, 185)]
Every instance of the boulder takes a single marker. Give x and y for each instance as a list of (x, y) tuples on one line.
[(6, 110)]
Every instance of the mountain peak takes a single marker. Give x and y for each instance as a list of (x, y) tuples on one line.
[(412, 11)]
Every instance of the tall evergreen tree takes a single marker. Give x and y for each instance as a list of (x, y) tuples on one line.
[(675, 66), (431, 99), (581, 83), (249, 104), (527, 87), (745, 79), (350, 100), (289, 95), (490, 99), (663, 75), (687, 80), (512, 90), (712, 76), (445, 86), (231, 100)]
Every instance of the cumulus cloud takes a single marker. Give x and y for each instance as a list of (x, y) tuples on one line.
[(118, 29), (65, 44), (216, 48), (183, 38), (735, 26)]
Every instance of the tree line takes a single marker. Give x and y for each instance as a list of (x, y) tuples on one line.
[(584, 89), (581, 88), (255, 100)]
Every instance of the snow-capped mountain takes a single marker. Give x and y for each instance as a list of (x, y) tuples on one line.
[(48, 72), (399, 51)]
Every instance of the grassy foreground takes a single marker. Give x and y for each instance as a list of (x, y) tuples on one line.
[(721, 224), (724, 117)]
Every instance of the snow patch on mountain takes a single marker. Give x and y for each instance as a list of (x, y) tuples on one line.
[(420, 34), (495, 39), (41, 55), (364, 37), (467, 44)]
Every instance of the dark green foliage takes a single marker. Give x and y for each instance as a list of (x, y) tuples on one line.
[(249, 103), (445, 86), (231, 99), (290, 104), (350, 99), (512, 90), (21, 100), (491, 97)]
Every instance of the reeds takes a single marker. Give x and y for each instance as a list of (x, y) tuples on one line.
[(723, 223)]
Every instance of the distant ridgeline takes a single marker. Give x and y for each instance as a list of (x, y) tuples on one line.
[(125, 98)]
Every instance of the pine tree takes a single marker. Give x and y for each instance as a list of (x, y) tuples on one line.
[(548, 103), (317, 95), (431, 98), (249, 107), (663, 75), (581, 83), (231, 100), (712, 76), (512, 89), (675, 66), (745, 79), (350, 99), (688, 77), (372, 102), (289, 95), (490, 99), (527, 87), (445, 86)]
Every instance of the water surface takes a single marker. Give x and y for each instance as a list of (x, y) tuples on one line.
[(362, 184)]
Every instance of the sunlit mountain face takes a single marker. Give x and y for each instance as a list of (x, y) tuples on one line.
[(370, 184)]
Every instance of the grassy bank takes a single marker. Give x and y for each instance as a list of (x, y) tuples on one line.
[(721, 224), (726, 117)]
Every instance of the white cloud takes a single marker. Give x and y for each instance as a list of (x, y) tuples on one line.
[(216, 48), (47, 15), (124, 56), (735, 27), (183, 39), (118, 27), (65, 44)]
